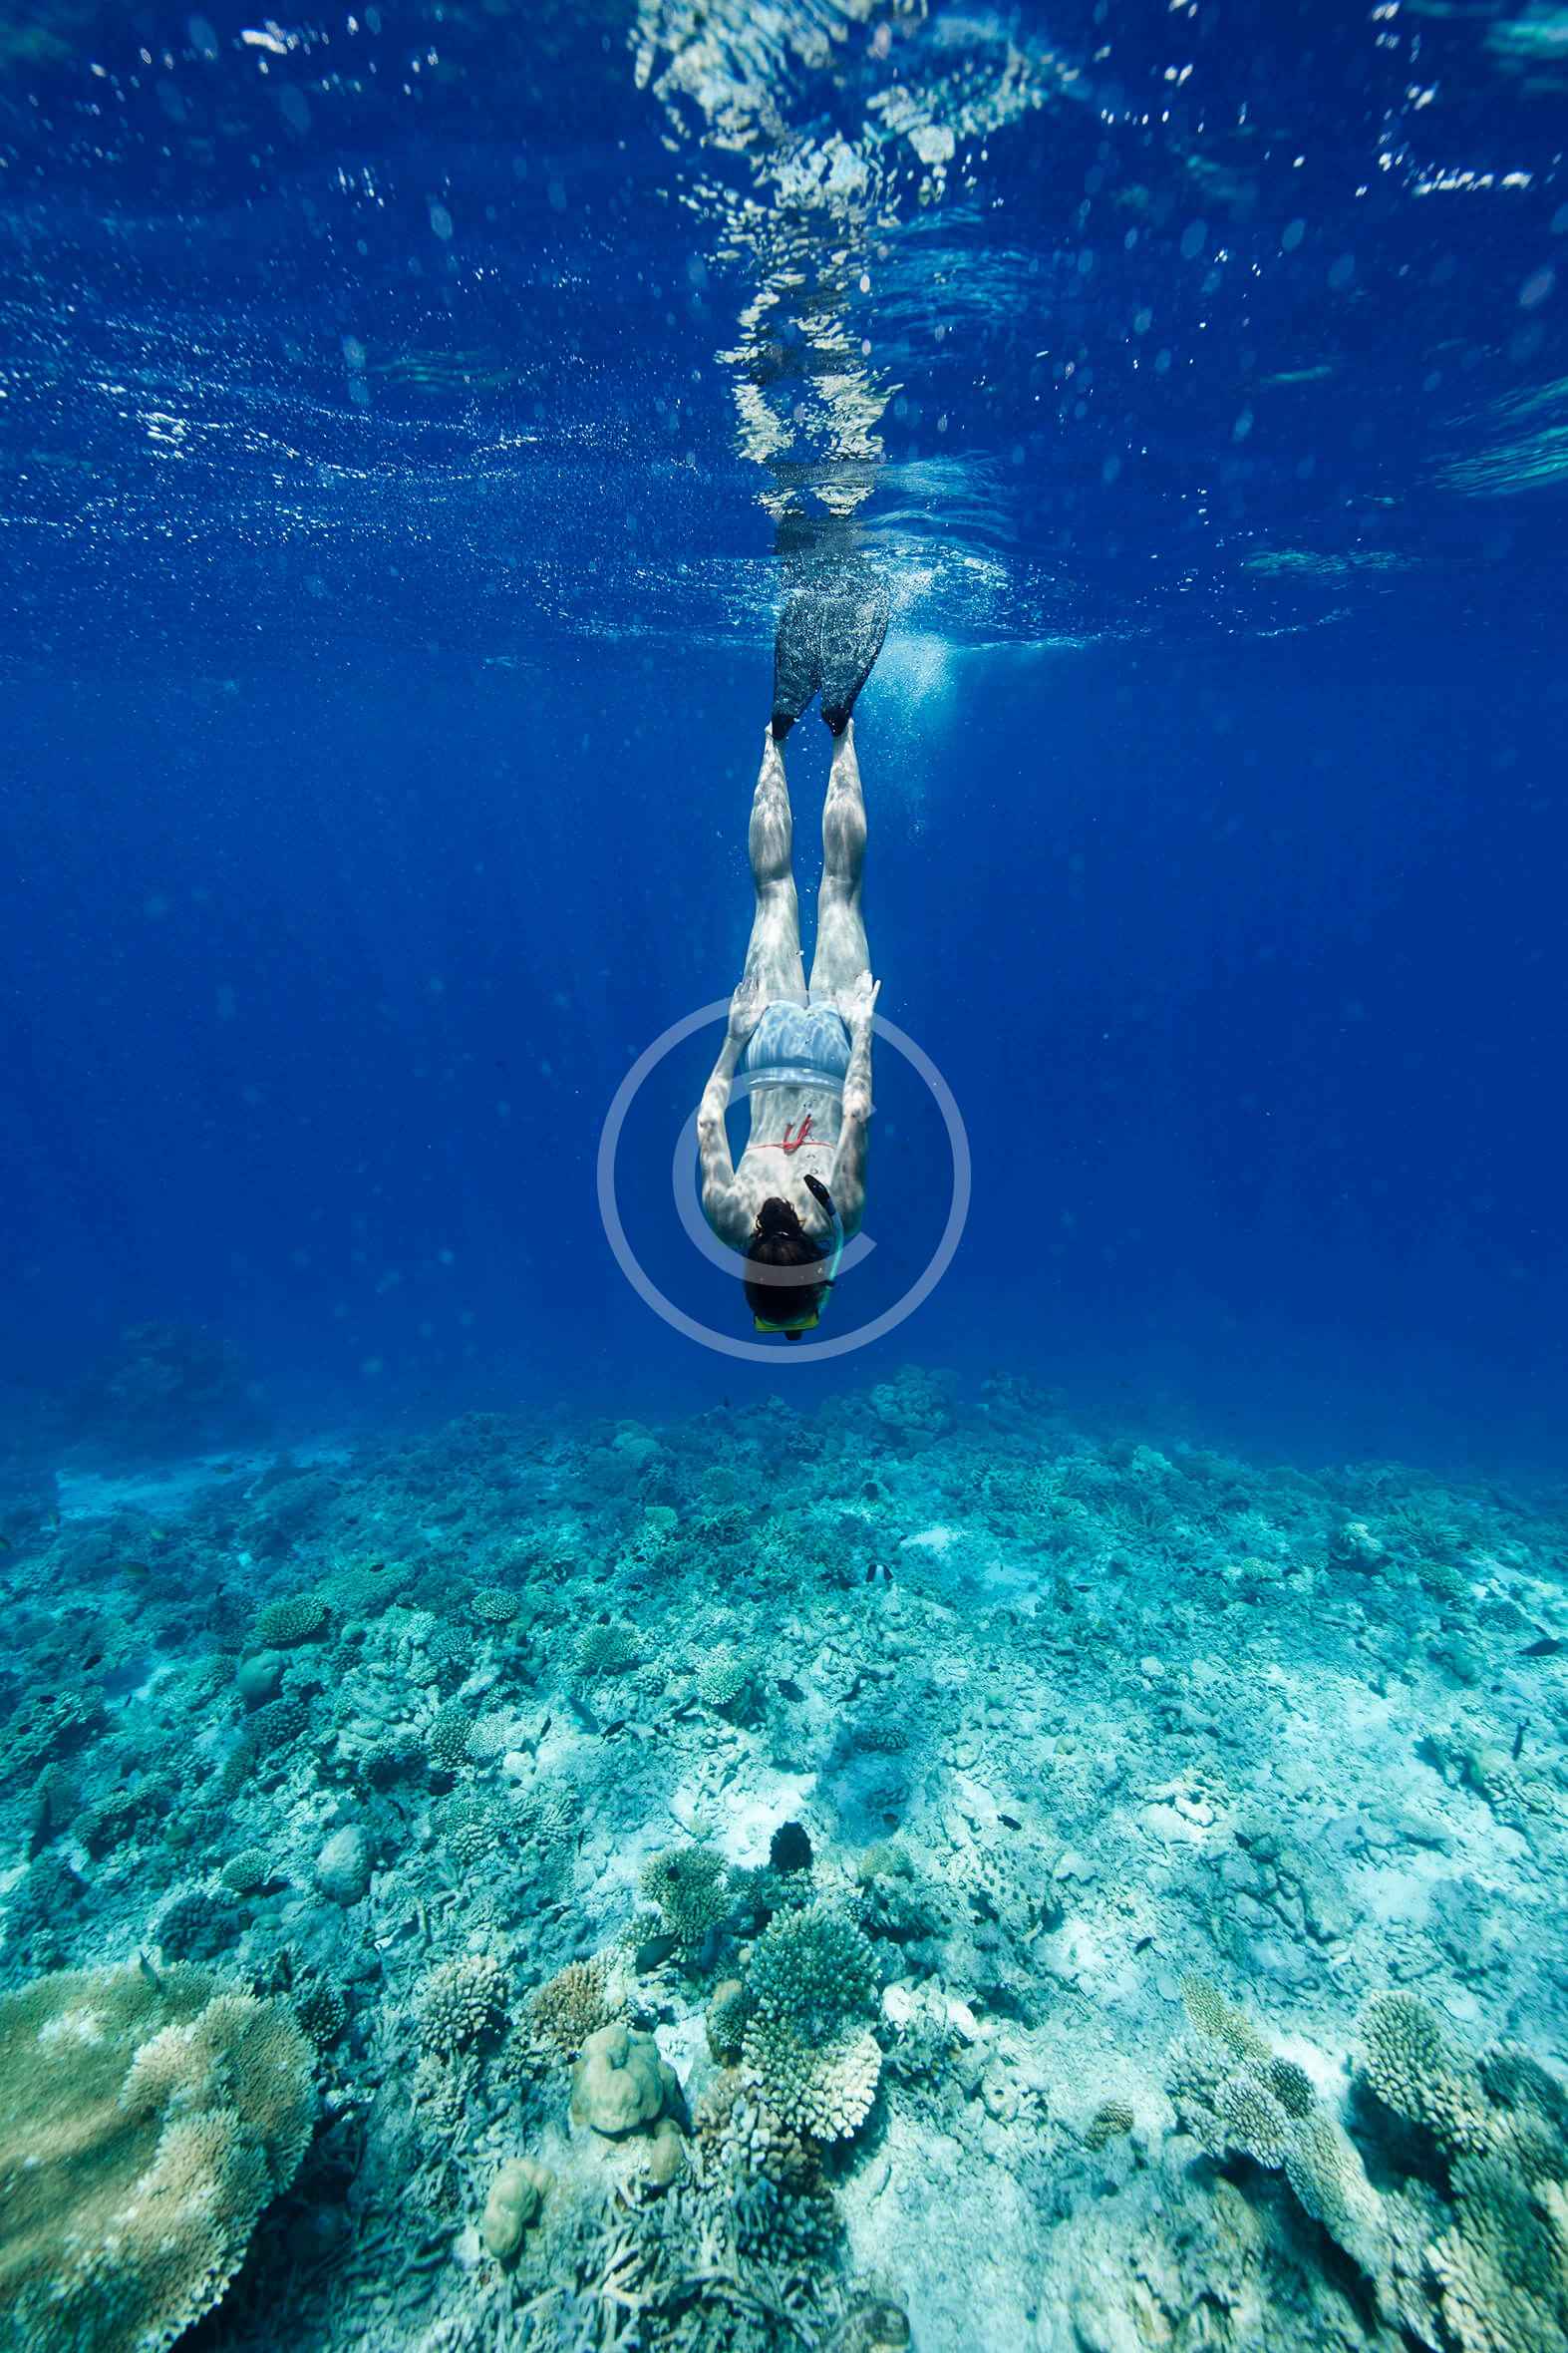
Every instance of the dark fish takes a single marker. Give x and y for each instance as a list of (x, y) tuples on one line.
[(1547, 1647), (788, 1689), (1012, 1821)]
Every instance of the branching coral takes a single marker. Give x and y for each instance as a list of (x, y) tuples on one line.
[(691, 1886), (808, 2051), (1416, 2070), (722, 1680), (493, 1605), (570, 2006), (461, 2004), (45, 1727), (1500, 2269), (447, 1737), (249, 1870), (607, 1649), (470, 1830), (1234, 2095), (265, 1731), (295, 1618), (1482, 2268)]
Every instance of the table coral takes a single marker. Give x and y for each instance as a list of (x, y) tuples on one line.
[(145, 2122)]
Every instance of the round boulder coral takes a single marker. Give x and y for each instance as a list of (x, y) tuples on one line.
[(516, 2196), (343, 1866), (620, 2082)]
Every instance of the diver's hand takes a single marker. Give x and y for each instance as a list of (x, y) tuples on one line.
[(857, 1002), (747, 1008)]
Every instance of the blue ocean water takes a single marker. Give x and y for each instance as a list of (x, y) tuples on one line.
[(1042, 1832), (392, 580)]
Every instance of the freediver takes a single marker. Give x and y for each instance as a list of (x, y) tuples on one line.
[(799, 1194)]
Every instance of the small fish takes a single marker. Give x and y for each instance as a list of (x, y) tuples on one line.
[(1518, 1742), (789, 1689), (1011, 1819), (1546, 1647)]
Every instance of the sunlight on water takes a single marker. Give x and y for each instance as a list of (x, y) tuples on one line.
[(917, 675)]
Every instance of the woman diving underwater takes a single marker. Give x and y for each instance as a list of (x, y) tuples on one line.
[(799, 1193)]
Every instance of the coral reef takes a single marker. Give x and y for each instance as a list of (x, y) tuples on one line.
[(843, 1806), (145, 2122)]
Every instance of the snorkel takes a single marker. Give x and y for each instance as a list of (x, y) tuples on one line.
[(791, 1327)]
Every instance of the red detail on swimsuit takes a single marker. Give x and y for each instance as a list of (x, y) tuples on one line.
[(805, 1137)]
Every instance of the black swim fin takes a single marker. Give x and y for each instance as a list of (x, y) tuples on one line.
[(853, 621), (796, 660)]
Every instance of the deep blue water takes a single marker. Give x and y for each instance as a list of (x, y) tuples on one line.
[(391, 607)]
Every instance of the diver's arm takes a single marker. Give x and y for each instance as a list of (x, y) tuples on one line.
[(721, 1199), (713, 1144), (848, 1183)]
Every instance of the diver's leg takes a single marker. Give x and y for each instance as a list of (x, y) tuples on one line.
[(772, 954), (841, 953)]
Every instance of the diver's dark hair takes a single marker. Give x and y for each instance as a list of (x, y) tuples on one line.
[(780, 1239)]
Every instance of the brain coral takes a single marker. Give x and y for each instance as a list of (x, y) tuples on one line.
[(145, 2122)]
